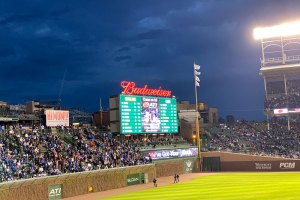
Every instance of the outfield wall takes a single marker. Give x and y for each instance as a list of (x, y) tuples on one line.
[(69, 185), (100, 180), (72, 184), (235, 162), (174, 166)]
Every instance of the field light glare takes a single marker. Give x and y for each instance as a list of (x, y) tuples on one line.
[(282, 30)]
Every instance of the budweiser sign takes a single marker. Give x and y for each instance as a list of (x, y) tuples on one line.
[(130, 88)]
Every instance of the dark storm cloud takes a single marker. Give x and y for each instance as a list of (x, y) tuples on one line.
[(16, 18), (149, 35), (6, 51), (84, 48), (138, 45), (122, 58), (29, 17), (128, 48)]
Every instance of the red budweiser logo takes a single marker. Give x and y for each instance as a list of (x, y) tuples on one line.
[(129, 88)]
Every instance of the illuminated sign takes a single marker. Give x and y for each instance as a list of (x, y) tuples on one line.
[(295, 110), (281, 111), (286, 111), (147, 114), (131, 89), (172, 153)]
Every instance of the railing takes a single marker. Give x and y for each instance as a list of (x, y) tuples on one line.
[(280, 60)]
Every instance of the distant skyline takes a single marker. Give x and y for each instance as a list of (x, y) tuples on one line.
[(82, 50)]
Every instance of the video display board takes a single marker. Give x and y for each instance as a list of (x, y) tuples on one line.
[(147, 114)]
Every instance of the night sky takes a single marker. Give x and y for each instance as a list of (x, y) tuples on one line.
[(79, 51)]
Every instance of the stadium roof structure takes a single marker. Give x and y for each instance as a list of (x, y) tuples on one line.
[(288, 70), (280, 62), (280, 56), (280, 47)]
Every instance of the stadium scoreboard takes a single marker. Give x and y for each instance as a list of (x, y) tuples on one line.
[(147, 114)]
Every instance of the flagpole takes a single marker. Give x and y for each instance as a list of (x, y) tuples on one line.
[(197, 121), (101, 111)]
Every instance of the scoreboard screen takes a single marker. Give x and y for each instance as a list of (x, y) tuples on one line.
[(147, 114)]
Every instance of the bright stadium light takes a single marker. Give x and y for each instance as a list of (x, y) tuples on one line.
[(282, 30)]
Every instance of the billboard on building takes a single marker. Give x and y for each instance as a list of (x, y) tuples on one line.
[(57, 117)]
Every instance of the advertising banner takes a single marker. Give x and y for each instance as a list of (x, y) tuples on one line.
[(281, 111), (57, 117), (172, 153), (9, 119), (54, 192), (135, 179), (294, 110), (283, 165)]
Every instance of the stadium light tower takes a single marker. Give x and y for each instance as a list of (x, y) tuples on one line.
[(280, 67), (282, 30)]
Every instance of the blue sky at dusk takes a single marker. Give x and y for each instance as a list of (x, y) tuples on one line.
[(81, 50)]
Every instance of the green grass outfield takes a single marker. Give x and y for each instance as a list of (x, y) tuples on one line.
[(225, 186)]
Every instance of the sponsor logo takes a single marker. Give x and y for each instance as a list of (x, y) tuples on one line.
[(133, 179), (130, 88), (281, 111), (130, 180), (287, 165), (55, 192), (188, 163), (57, 117), (263, 166)]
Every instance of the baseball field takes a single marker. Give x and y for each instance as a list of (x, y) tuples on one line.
[(225, 186)]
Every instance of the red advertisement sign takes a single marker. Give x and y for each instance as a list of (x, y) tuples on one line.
[(131, 89), (57, 118), (281, 111)]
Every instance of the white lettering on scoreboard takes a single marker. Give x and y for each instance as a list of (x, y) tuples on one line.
[(57, 117)]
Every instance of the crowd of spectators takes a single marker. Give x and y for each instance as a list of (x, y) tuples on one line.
[(254, 138), (38, 152), (275, 87), (277, 97)]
